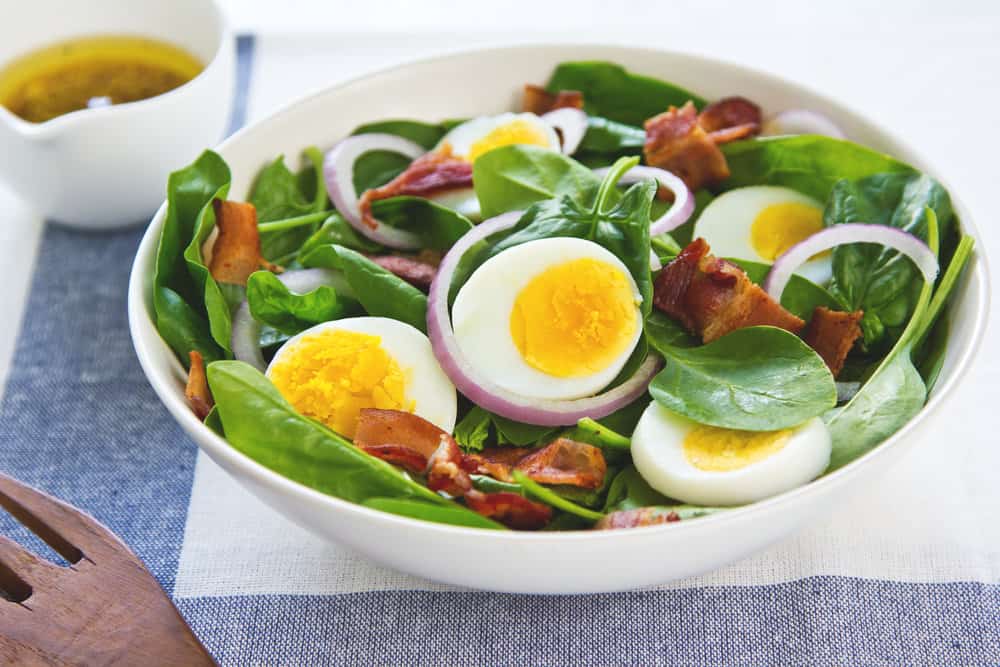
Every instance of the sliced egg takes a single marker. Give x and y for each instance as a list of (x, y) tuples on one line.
[(706, 465), (478, 136), (333, 370), (760, 223), (553, 318)]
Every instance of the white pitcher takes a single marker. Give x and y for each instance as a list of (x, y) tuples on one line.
[(108, 167)]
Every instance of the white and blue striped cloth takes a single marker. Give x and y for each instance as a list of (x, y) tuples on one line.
[(873, 586)]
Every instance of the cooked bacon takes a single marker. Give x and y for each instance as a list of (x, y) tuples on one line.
[(730, 118), (429, 174), (676, 142), (832, 334), (642, 516), (417, 273), (444, 469), (236, 251), (396, 427), (712, 297), (565, 461), (399, 455), (538, 100), (196, 392), (497, 462), (512, 510)]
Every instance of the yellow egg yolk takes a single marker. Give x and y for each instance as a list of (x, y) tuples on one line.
[(574, 318), (331, 375), (722, 449), (514, 132), (780, 226)]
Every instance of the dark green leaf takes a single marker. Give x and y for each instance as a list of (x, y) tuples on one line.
[(338, 231), (801, 296), (437, 226), (630, 491), (278, 195), (753, 379), (608, 138), (664, 333), (274, 304), (183, 328), (425, 134), (518, 434), (614, 93), (473, 430)]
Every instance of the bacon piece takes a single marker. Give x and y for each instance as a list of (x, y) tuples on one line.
[(512, 510), (729, 119), (832, 334), (236, 251), (444, 469), (417, 273), (565, 461), (379, 429), (538, 100), (676, 142), (497, 462), (196, 392), (634, 518), (429, 174), (712, 297), (400, 455)]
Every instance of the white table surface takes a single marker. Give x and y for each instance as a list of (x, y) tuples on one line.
[(927, 70)]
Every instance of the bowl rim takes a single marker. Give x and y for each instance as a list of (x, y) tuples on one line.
[(218, 448)]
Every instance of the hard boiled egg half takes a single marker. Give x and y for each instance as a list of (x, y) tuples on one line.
[(333, 370), (760, 223), (478, 136), (706, 465), (553, 318)]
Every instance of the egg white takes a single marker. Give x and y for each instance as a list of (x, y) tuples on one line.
[(426, 384), (481, 318), (726, 222), (658, 454)]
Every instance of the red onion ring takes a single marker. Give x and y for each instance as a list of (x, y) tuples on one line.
[(801, 121), (854, 232), (338, 172), (245, 337), (571, 124), (485, 393), (682, 207)]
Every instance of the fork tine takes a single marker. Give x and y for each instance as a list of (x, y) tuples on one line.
[(59, 525), (19, 567)]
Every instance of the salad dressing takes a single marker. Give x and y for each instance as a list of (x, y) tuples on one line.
[(91, 72)]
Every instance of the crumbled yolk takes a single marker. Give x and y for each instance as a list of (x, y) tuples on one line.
[(780, 226), (574, 318), (332, 375), (722, 449), (515, 132)]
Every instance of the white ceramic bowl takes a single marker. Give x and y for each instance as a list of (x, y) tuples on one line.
[(108, 167), (535, 562)]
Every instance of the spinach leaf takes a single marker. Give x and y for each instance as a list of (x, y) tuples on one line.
[(630, 491), (455, 515), (664, 333), (279, 194), (437, 226), (377, 168), (379, 292), (425, 134), (808, 163), (870, 277), (513, 177), (613, 445), (473, 430), (480, 427), (624, 419), (273, 304), (542, 494), (609, 90), (261, 424), (607, 140), (801, 296), (338, 231), (178, 297), (754, 379), (519, 434)]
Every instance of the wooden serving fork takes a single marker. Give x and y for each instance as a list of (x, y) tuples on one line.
[(105, 608)]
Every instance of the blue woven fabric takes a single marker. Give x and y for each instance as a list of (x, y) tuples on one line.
[(79, 420)]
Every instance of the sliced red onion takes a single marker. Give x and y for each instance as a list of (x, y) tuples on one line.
[(801, 121), (338, 171), (245, 337), (654, 261), (483, 391), (572, 126), (682, 207), (855, 232)]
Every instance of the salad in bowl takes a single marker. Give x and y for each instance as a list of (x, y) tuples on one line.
[(620, 304)]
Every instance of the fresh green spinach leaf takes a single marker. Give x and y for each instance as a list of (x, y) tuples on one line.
[(801, 296), (543, 494), (629, 491), (278, 194), (607, 140), (437, 226), (665, 333), (753, 379), (338, 231), (473, 431), (419, 132), (273, 304), (610, 91)]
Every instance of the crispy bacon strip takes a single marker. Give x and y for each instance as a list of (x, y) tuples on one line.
[(676, 142), (429, 174), (236, 251), (497, 462), (711, 297), (400, 455), (729, 119), (444, 469), (832, 334), (512, 510), (196, 392), (565, 461), (417, 273), (538, 100), (642, 516), (389, 431)]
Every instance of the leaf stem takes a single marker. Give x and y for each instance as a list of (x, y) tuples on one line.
[(292, 223)]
